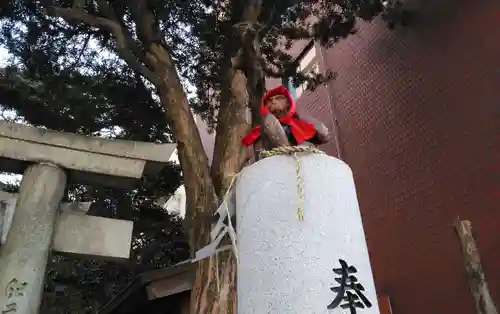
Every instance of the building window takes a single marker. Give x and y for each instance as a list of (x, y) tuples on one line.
[(307, 64)]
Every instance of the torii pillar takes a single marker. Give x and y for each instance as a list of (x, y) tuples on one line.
[(49, 160)]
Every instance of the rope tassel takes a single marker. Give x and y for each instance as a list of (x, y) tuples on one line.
[(292, 151)]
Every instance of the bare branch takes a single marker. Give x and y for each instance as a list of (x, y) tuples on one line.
[(123, 48), (243, 77)]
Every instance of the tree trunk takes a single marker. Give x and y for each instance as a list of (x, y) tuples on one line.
[(214, 290), (214, 287), (201, 202), (201, 197), (229, 154), (215, 283)]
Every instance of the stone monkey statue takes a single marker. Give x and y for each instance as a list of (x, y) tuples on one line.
[(281, 125)]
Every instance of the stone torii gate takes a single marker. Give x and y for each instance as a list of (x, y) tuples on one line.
[(48, 161)]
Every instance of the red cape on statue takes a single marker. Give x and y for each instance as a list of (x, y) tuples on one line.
[(301, 130)]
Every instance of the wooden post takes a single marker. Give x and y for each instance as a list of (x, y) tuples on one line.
[(24, 256), (475, 272)]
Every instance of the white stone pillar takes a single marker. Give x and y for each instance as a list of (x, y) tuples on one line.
[(287, 265), (23, 258)]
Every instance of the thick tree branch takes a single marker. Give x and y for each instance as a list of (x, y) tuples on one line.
[(242, 71), (149, 32), (147, 26), (74, 15), (228, 159), (108, 12), (201, 197)]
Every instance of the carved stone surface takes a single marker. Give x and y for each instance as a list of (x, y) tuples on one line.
[(93, 237), (272, 133), (77, 233), (23, 258), (88, 159), (286, 265)]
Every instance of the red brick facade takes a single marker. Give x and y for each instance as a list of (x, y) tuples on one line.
[(418, 113)]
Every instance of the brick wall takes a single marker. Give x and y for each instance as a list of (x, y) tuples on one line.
[(419, 119)]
